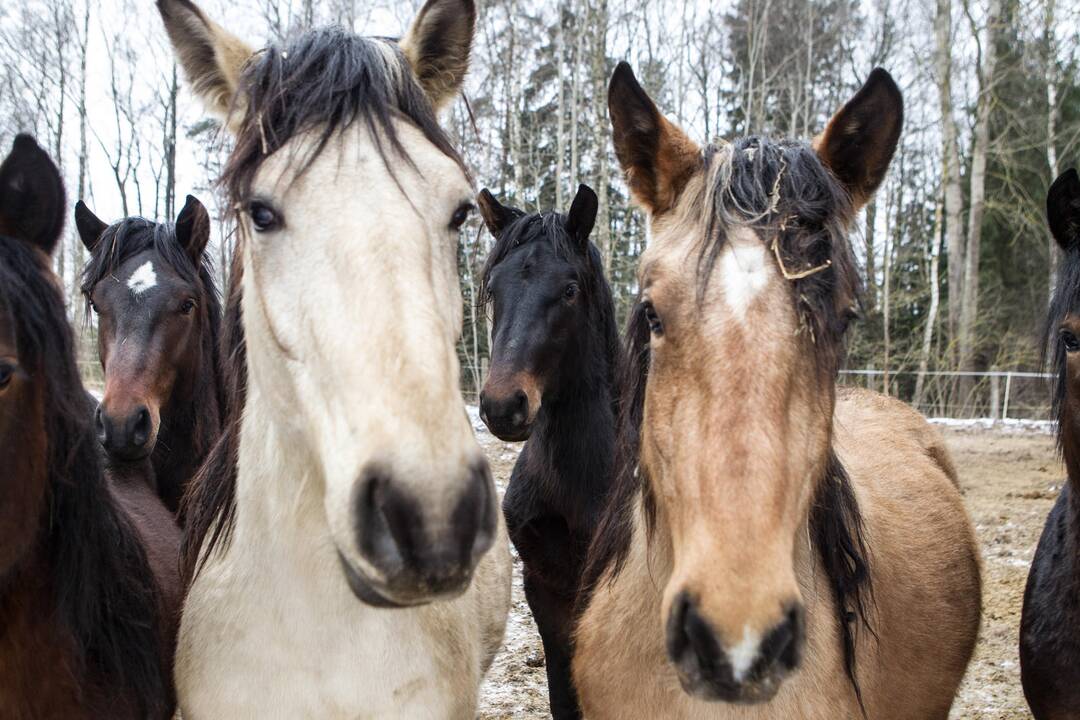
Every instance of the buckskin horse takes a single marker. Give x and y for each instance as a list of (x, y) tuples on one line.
[(344, 543), (763, 555)]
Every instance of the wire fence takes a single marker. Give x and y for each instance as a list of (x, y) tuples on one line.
[(993, 395)]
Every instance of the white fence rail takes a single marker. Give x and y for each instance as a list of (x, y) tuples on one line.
[(994, 394)]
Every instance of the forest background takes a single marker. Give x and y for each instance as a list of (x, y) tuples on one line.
[(957, 259)]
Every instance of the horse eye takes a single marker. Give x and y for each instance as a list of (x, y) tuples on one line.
[(655, 326), (94, 307), (263, 217), (187, 307), (460, 216), (6, 373), (1070, 341), (571, 291)]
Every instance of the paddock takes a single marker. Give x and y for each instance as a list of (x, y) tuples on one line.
[(1009, 475)]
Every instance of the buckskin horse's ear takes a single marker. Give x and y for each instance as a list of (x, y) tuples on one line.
[(438, 46), (657, 157), (582, 216), (496, 216), (212, 58), (1063, 209), (193, 229), (859, 141), (31, 196), (90, 226)]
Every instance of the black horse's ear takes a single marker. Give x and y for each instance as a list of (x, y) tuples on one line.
[(31, 196), (496, 216), (1063, 209), (193, 229), (90, 226), (582, 216), (860, 139)]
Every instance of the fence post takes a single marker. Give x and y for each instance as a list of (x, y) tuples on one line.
[(1005, 405), (870, 376), (995, 394)]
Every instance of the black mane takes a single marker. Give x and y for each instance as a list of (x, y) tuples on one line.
[(1066, 300), (105, 591), (781, 189), (324, 81)]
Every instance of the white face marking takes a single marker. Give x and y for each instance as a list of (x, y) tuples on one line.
[(742, 656), (142, 279), (744, 271)]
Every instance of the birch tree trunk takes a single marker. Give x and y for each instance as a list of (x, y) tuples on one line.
[(560, 113), (935, 299), (602, 234), (954, 199), (969, 308), (1050, 48)]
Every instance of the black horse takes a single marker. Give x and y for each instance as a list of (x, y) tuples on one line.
[(554, 357), (1050, 623), (159, 315)]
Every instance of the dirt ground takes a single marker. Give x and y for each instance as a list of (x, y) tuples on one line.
[(1009, 479)]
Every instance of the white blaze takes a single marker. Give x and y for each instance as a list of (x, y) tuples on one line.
[(744, 270), (742, 656), (142, 279)]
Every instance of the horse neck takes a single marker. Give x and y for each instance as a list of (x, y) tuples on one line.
[(193, 417), (1069, 440), (574, 436), (275, 475)]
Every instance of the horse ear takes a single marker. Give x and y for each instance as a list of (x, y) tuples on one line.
[(31, 196), (859, 141), (193, 229), (496, 216), (89, 225), (212, 58), (582, 216), (438, 46), (656, 156), (1063, 209)]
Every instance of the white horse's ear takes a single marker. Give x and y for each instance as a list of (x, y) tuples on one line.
[(438, 46), (212, 57)]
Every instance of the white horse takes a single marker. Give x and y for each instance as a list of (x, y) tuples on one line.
[(349, 557)]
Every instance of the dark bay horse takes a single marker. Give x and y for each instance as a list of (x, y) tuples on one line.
[(1050, 622), (555, 348), (152, 288), (773, 549), (89, 588)]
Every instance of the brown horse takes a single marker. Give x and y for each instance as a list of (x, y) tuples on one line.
[(89, 588), (1050, 622), (765, 557), (152, 287)]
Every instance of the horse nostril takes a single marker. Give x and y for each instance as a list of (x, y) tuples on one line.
[(381, 525), (99, 426), (141, 428), (783, 645), (475, 517), (521, 407), (691, 641)]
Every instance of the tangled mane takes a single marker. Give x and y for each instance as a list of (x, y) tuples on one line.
[(781, 190), (323, 82), (105, 592), (1066, 301)]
